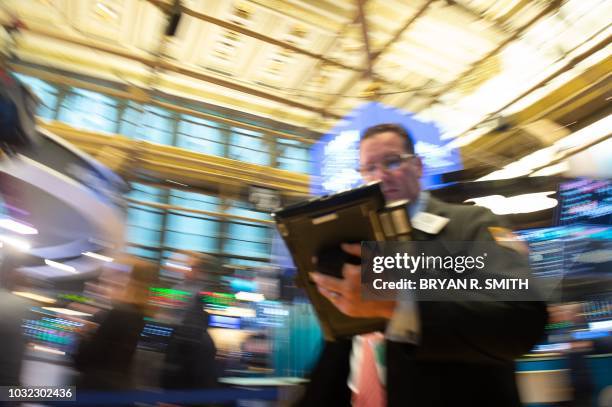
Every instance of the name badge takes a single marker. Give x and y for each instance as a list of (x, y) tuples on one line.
[(429, 223)]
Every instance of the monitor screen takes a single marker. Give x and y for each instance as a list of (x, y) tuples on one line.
[(578, 250), (574, 262), (220, 321), (585, 201)]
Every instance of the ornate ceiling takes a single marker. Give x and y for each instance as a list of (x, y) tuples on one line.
[(459, 63)]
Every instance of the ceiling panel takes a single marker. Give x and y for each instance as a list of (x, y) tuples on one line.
[(311, 53)]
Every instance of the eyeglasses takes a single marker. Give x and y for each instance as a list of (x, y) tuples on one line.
[(389, 163)]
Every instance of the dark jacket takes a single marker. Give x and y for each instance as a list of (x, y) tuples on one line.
[(13, 310), (191, 354), (104, 360), (467, 349)]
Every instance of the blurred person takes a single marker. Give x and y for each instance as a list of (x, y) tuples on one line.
[(463, 352), (17, 113), (13, 311), (579, 370), (256, 350), (104, 357), (199, 271), (190, 361)]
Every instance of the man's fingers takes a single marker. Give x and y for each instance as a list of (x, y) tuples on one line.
[(327, 282), (338, 300), (352, 248), (330, 295), (351, 274)]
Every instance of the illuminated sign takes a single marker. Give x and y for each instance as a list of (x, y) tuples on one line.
[(221, 321), (218, 299), (168, 296), (76, 298)]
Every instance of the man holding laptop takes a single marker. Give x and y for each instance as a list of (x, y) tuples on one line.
[(445, 353)]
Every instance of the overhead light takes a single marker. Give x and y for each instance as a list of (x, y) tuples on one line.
[(177, 183), (98, 256), (46, 349), (594, 162), (35, 297), (17, 227), (524, 203), (586, 135), (102, 243), (60, 266), (106, 11), (601, 325), (15, 242), (67, 311), (561, 149), (246, 296), (177, 266), (505, 173), (554, 169), (233, 312)]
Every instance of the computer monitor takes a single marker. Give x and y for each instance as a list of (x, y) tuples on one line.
[(585, 201), (575, 258)]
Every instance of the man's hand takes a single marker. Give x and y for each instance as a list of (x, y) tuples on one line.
[(345, 293)]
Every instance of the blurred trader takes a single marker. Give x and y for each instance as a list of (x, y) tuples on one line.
[(104, 358), (200, 271), (13, 310), (190, 361), (438, 353)]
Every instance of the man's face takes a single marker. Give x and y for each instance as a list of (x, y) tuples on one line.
[(397, 183)]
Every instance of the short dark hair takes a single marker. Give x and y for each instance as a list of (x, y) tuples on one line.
[(398, 129)]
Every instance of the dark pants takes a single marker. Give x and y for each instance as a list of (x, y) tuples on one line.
[(328, 382), (446, 384)]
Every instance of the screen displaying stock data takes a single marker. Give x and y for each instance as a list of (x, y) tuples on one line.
[(586, 201)]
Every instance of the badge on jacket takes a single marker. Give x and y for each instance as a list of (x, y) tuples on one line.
[(428, 222)]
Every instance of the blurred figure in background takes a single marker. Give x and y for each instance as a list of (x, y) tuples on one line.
[(191, 353), (104, 357), (256, 350), (13, 311), (200, 271), (580, 374)]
